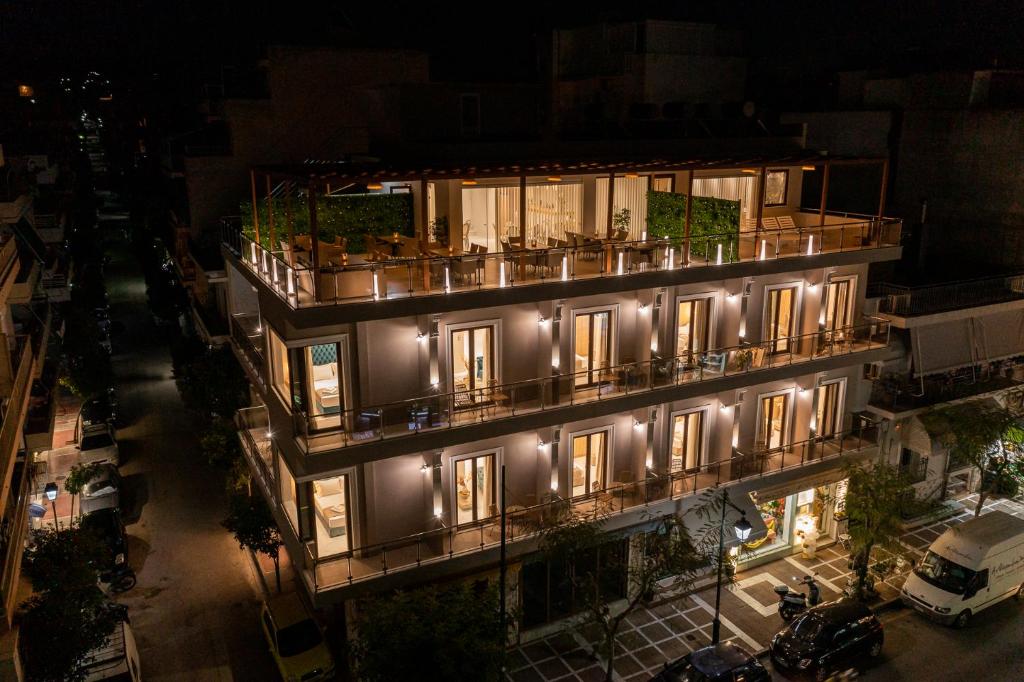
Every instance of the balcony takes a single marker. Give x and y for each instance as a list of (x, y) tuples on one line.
[(247, 334), (894, 395), (254, 434), (620, 499), (351, 278), (319, 433), (22, 368), (926, 300)]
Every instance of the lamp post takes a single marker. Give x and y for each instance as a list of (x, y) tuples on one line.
[(742, 529), (51, 495)]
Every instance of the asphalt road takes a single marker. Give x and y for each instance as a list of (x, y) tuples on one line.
[(195, 608), (990, 648)]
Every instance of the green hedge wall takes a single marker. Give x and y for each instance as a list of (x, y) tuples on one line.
[(348, 215), (716, 219)]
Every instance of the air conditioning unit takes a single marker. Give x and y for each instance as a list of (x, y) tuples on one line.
[(872, 371)]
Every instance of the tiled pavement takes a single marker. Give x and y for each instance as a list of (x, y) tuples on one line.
[(662, 633)]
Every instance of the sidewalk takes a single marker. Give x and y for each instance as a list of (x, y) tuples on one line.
[(653, 636)]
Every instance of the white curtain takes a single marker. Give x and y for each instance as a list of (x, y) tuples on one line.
[(630, 193), (552, 209), (737, 188)]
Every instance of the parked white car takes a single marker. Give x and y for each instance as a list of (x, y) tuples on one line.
[(103, 491), (98, 445), (969, 568)]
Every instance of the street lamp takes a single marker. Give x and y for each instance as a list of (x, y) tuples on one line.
[(742, 529), (51, 495)]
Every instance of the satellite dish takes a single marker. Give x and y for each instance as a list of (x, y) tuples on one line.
[(749, 109)]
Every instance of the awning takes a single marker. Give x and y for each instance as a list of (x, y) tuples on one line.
[(951, 345), (798, 485)]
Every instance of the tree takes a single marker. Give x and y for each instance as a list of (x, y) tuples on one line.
[(254, 528), (59, 628), (666, 552), (77, 479), (986, 435), (211, 382), (433, 633), (220, 444), (63, 559), (68, 616), (874, 499)]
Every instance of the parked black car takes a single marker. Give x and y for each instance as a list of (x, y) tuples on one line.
[(723, 662), (100, 409), (830, 637), (107, 526)]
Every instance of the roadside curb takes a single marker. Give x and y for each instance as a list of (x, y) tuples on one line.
[(255, 565)]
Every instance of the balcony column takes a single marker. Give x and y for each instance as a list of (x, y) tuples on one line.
[(270, 216), (686, 219), (314, 237), (424, 214), (436, 488), (877, 228), (824, 194), (611, 204), (432, 340), (762, 178), (255, 212), (649, 433), (288, 218), (522, 225)]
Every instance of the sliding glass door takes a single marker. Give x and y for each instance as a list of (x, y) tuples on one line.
[(780, 319), (772, 424), (592, 346), (838, 308), (589, 463), (693, 326), (472, 364), (828, 418), (687, 441), (475, 488)]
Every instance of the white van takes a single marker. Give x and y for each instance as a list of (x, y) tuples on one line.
[(969, 568), (117, 660)]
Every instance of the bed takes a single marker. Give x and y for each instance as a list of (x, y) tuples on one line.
[(329, 500), (325, 387)]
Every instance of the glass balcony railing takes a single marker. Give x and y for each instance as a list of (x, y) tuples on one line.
[(500, 401), (247, 335), (621, 497), (254, 433), (348, 278)]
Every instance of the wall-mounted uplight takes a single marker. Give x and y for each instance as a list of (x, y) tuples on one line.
[(421, 337), (554, 486), (811, 286), (725, 407), (425, 469), (642, 308), (541, 445), (731, 296), (434, 384), (542, 321), (638, 426), (437, 513)]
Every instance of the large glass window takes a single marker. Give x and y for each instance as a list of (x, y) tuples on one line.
[(331, 505), (589, 462), (288, 494), (475, 488), (279, 367), (472, 364), (693, 325), (771, 430), (325, 387), (491, 214), (838, 304), (776, 183), (687, 441), (629, 199), (827, 418), (780, 319), (593, 346)]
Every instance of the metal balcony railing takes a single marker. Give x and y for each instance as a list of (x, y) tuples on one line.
[(320, 432), (247, 335), (344, 278), (372, 561), (907, 301), (254, 434)]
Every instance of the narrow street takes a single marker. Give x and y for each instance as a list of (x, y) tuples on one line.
[(195, 608)]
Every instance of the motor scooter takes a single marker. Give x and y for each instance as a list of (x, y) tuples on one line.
[(791, 603)]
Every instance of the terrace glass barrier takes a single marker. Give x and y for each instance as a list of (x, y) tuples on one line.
[(247, 335), (372, 561), (453, 409), (254, 434), (345, 278)]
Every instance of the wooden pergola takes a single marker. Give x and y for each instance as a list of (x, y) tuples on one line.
[(321, 176)]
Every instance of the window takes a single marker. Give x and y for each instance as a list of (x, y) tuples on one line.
[(780, 318), (775, 186), (472, 364), (693, 325), (325, 389), (288, 495), (828, 418), (279, 367), (687, 441), (589, 462), (593, 346), (475, 488), (839, 304), (331, 507), (771, 428), (663, 183)]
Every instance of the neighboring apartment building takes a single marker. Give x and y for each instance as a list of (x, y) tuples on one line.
[(24, 328), (961, 341), (586, 356)]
